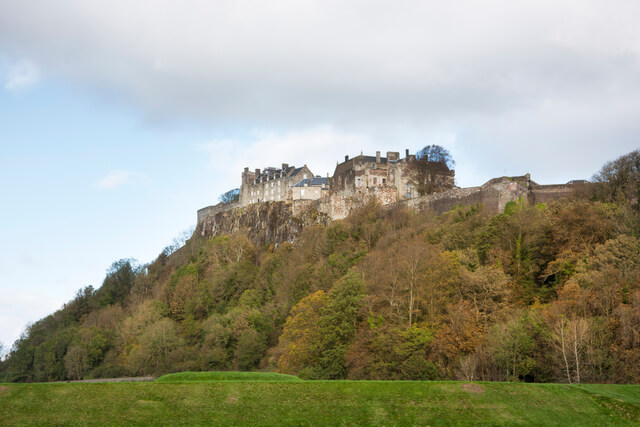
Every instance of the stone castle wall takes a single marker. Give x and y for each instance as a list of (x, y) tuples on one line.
[(493, 195), (548, 193), (276, 222), (212, 210)]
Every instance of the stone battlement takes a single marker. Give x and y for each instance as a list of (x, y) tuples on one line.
[(356, 181)]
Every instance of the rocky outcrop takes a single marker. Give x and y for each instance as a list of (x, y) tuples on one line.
[(264, 223)]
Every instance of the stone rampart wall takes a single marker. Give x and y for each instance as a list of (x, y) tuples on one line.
[(549, 193), (276, 222), (212, 210), (493, 196)]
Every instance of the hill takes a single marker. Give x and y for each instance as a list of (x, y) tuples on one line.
[(539, 292)]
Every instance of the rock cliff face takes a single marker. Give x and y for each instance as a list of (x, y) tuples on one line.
[(264, 223)]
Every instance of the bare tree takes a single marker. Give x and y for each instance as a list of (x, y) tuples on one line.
[(230, 196), (179, 241), (621, 178), (570, 337), (430, 169)]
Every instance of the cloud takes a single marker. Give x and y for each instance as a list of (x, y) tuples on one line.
[(322, 145), (317, 61), (21, 76), (503, 78), (117, 178)]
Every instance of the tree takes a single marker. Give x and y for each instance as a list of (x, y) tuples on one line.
[(230, 196), (179, 241), (621, 178), (338, 325), (155, 346), (430, 170), (570, 336), (301, 331), (118, 283), (75, 362)]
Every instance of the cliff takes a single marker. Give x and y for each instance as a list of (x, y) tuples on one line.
[(264, 223)]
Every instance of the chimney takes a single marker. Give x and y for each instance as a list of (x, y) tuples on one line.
[(257, 172), (346, 158), (284, 166), (246, 169), (377, 157), (407, 153)]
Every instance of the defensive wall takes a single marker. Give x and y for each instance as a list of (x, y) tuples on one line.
[(212, 210), (276, 222)]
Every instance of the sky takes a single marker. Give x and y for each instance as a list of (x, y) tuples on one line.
[(120, 119)]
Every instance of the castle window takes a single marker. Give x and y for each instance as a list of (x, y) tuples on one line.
[(384, 181), (375, 181)]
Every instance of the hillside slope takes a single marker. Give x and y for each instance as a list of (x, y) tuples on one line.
[(545, 293)]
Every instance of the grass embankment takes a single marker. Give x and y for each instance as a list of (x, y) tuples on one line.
[(181, 377), (260, 399)]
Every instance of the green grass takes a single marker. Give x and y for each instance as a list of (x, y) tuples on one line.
[(189, 401), (226, 376)]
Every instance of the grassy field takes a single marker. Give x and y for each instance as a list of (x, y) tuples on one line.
[(270, 399)]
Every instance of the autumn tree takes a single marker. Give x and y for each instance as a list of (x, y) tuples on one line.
[(118, 282), (153, 352), (620, 178)]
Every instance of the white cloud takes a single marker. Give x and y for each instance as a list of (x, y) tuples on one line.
[(318, 147), (21, 76), (117, 178)]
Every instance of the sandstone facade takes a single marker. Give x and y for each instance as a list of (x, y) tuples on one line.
[(271, 184)]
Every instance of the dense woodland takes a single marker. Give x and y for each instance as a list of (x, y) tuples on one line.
[(545, 293)]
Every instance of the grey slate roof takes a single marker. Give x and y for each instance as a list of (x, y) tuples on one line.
[(313, 182), (295, 171)]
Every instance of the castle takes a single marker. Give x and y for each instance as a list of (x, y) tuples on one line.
[(276, 203), (386, 178)]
